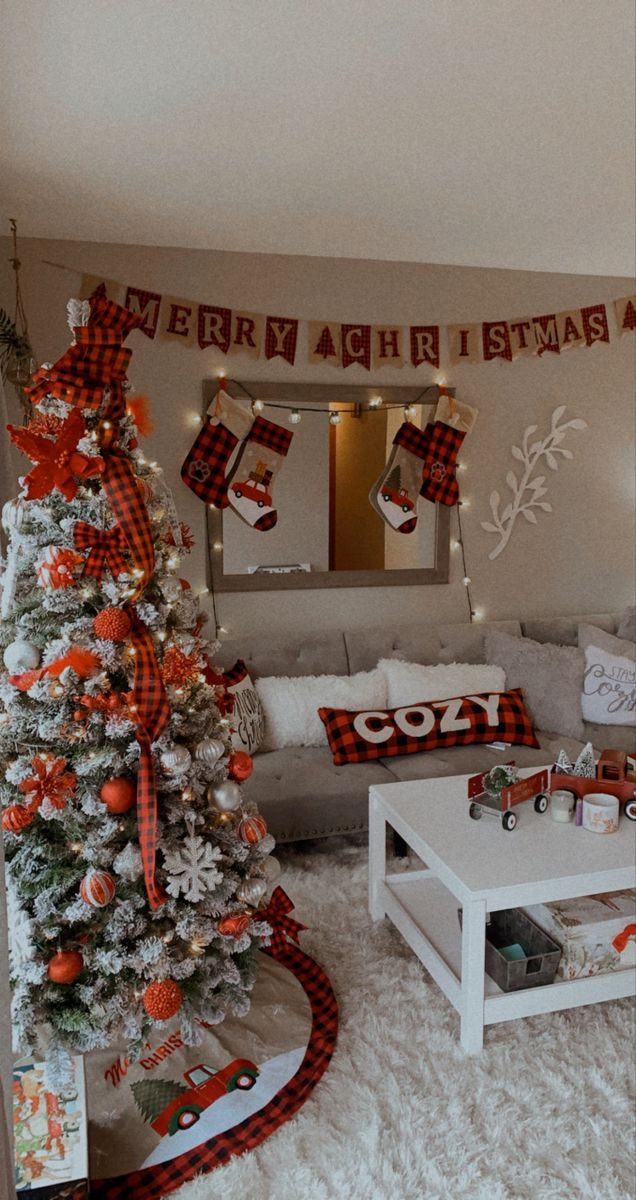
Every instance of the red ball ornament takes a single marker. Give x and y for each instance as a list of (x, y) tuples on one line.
[(112, 624), (97, 889), (16, 818), (119, 794), (240, 766), (235, 925), (65, 966), (162, 999), (252, 830)]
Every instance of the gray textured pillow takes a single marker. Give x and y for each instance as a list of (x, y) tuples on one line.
[(627, 625), (551, 678)]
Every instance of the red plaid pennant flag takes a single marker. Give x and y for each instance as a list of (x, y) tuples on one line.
[(281, 337)]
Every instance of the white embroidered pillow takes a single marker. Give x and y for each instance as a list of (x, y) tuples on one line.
[(609, 677)]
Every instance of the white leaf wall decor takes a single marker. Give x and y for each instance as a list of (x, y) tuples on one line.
[(527, 489)]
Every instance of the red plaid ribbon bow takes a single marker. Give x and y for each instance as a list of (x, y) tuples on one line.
[(283, 926), (152, 715), (105, 548)]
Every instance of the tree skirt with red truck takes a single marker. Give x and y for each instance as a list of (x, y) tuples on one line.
[(182, 1110)]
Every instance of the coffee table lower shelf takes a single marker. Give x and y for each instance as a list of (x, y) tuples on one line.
[(425, 913)]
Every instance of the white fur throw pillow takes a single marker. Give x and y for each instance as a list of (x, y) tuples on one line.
[(290, 705), (412, 683)]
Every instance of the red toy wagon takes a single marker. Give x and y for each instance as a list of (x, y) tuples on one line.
[(505, 800)]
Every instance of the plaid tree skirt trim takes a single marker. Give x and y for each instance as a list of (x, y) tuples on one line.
[(164, 1178)]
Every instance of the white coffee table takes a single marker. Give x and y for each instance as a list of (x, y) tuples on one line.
[(482, 867)]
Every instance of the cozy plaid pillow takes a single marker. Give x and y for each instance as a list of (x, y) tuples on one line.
[(488, 717)]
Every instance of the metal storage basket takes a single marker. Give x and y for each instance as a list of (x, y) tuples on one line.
[(543, 954)]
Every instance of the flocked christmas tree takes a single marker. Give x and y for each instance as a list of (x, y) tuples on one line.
[(135, 868)]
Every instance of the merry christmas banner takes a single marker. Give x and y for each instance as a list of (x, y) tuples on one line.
[(193, 323)]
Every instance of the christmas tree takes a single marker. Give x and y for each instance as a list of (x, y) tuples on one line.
[(135, 868)]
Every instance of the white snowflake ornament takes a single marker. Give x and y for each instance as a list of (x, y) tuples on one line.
[(192, 869)]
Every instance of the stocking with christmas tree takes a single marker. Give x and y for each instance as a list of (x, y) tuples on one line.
[(251, 483), (135, 865)]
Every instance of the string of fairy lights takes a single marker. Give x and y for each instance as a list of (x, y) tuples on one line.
[(374, 404)]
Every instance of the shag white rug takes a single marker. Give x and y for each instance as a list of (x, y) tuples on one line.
[(544, 1113)]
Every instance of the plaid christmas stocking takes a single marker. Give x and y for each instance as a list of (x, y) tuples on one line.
[(226, 424), (394, 494), (453, 421), (251, 481)]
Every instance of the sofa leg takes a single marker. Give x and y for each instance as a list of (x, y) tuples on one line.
[(400, 848)]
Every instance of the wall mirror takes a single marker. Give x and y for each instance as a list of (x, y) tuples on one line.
[(327, 534)]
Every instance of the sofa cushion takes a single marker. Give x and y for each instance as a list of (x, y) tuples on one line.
[(564, 631), (626, 627), (465, 643), (551, 677), (610, 737), (312, 654), (413, 643), (302, 795), (468, 760)]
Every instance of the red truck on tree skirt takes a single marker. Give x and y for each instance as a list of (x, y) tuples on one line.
[(612, 779), (185, 1104)]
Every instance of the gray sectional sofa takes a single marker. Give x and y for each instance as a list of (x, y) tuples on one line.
[(303, 795)]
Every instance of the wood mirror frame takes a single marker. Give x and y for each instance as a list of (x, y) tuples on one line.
[(321, 396)]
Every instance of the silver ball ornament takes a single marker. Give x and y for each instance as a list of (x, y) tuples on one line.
[(251, 891), (225, 796), (270, 869), (21, 656), (175, 760), (209, 751), (266, 845)]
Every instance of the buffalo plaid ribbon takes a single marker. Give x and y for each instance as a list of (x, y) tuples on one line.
[(152, 715), (284, 928), (105, 548), (130, 512), (109, 315)]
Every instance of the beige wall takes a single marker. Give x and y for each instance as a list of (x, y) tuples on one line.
[(580, 557)]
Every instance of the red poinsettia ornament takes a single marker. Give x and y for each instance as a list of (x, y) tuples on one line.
[(58, 464), (51, 782)]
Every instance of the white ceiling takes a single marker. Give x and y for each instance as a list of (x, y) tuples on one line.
[(481, 132)]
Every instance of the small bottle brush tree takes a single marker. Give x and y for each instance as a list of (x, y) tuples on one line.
[(134, 872)]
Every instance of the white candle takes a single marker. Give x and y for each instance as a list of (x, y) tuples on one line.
[(562, 806)]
